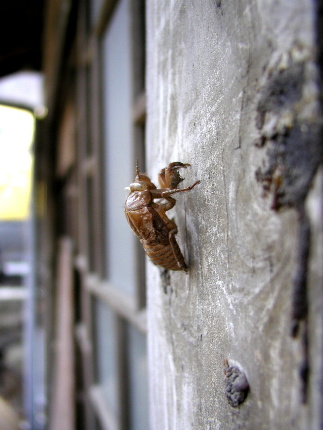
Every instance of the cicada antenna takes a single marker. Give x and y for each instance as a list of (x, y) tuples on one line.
[(137, 167)]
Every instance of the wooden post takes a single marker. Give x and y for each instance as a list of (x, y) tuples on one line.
[(62, 413)]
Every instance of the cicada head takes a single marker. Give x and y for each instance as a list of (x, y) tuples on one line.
[(142, 182)]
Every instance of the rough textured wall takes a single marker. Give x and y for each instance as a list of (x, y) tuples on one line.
[(232, 89)]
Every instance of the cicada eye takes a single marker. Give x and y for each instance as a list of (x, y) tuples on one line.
[(138, 186)]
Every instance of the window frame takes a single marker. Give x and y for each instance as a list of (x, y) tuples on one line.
[(128, 310)]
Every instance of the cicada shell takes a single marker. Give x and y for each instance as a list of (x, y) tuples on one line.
[(148, 218)]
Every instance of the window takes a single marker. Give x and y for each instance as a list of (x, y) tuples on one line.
[(111, 326)]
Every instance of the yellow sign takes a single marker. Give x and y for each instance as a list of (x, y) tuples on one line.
[(16, 162)]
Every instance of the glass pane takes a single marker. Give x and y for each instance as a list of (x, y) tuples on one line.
[(118, 135), (138, 379), (106, 353), (95, 10)]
